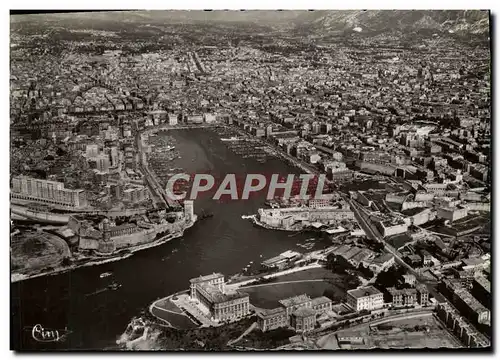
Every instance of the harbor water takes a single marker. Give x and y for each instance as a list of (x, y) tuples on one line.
[(222, 243)]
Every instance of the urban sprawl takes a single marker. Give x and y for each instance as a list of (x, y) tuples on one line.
[(401, 132)]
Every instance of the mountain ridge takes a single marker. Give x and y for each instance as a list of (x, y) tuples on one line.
[(315, 22)]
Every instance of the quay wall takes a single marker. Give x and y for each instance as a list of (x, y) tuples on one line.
[(41, 215)]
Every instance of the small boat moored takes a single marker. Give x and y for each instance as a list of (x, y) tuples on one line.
[(114, 286)]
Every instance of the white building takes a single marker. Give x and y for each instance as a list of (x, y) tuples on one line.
[(451, 214), (209, 118), (92, 150), (387, 228), (172, 119), (46, 192), (436, 188), (285, 217), (103, 163), (365, 298), (335, 166)]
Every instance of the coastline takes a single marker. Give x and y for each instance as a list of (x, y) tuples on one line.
[(233, 286), (253, 219), (16, 277)]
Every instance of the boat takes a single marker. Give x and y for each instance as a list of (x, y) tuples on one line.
[(114, 286), (232, 138), (205, 215), (105, 274)]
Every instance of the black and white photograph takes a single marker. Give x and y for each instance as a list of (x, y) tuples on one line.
[(250, 180)]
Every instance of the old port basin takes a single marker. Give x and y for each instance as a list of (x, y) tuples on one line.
[(346, 285), (393, 128), (329, 283)]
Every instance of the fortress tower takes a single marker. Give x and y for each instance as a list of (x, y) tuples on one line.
[(189, 210), (107, 245), (106, 236)]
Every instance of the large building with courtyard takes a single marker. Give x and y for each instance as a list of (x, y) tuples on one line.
[(217, 302)]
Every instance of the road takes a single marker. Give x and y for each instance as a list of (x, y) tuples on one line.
[(245, 333), (373, 233), (282, 283), (237, 285), (154, 185)]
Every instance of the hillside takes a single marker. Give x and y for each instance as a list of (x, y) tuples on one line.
[(460, 22), (317, 23)]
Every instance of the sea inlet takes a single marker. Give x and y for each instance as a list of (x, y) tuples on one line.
[(222, 243)]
